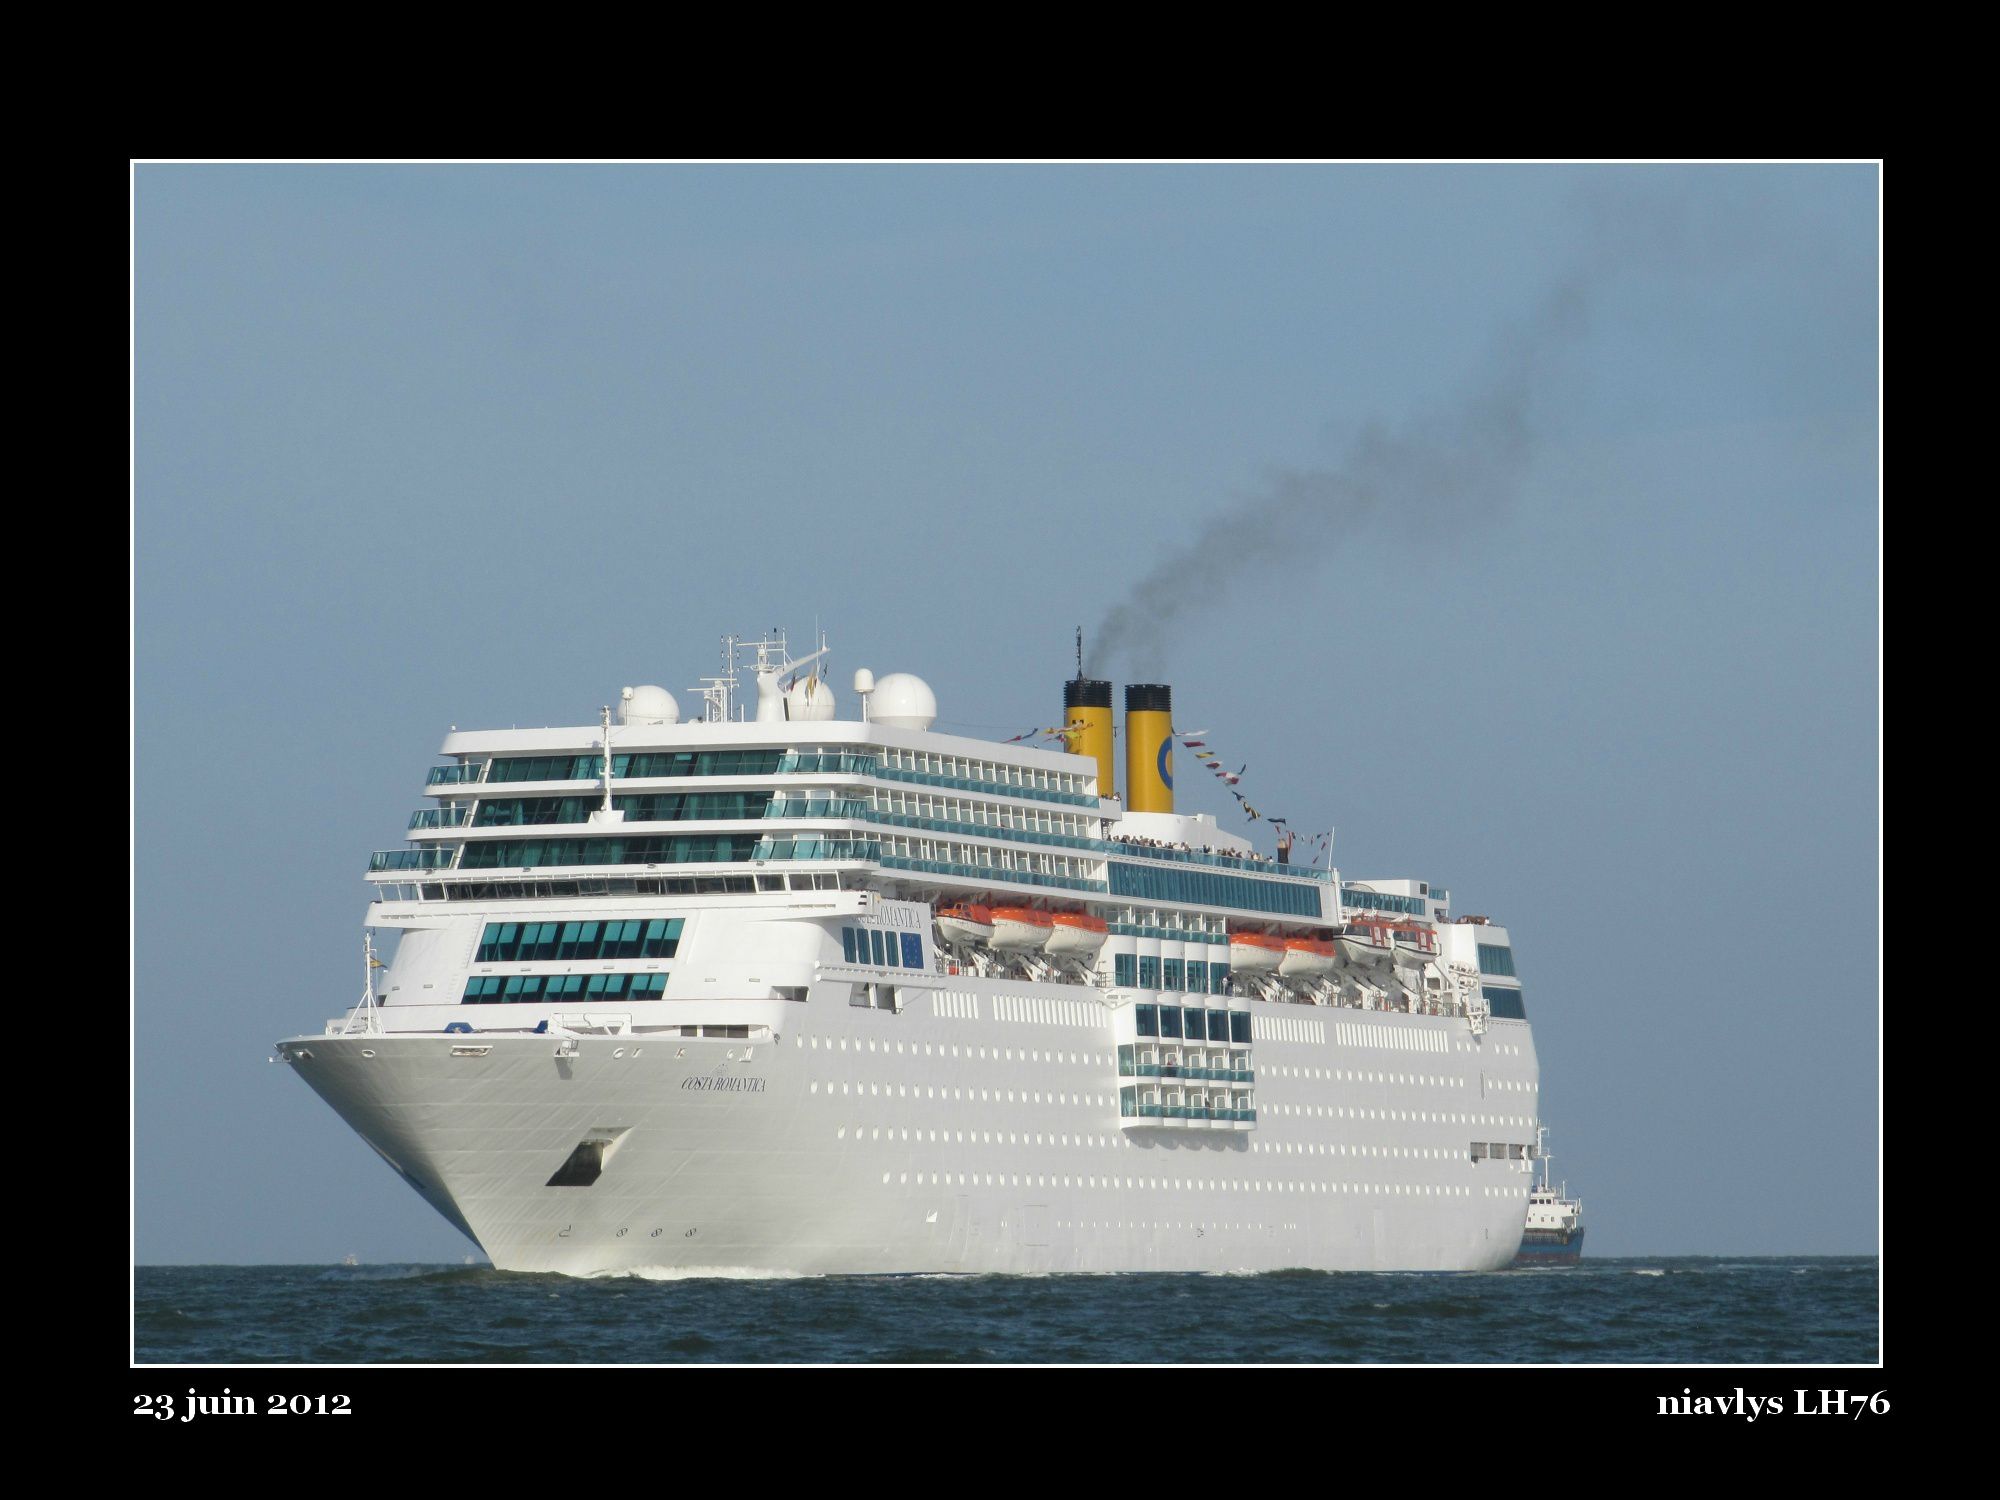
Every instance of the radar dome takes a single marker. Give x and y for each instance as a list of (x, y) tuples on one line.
[(903, 700), (809, 699), (647, 705)]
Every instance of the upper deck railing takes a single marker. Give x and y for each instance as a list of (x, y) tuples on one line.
[(431, 857), (989, 788)]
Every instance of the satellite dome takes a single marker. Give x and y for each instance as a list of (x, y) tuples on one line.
[(809, 699), (902, 700), (647, 705)]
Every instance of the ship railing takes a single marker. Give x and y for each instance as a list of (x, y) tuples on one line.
[(853, 809), (1243, 865), (990, 788), (811, 848), (827, 763), (454, 816), (995, 873), (431, 857)]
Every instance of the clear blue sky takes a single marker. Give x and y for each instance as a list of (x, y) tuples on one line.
[(432, 446)]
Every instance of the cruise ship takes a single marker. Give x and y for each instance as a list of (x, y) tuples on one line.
[(804, 985)]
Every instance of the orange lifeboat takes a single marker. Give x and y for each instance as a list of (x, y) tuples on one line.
[(1255, 952), (966, 922), (1021, 928), (1076, 934), (1306, 957)]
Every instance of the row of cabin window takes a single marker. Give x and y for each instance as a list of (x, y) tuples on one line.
[(1190, 1023), (1151, 972), (665, 763), (513, 989), (543, 942), (493, 854), (598, 885), (639, 807), (1410, 906), (871, 945), (1207, 888), (994, 773)]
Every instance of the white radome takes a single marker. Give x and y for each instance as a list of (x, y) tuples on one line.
[(647, 705), (902, 700), (809, 700)]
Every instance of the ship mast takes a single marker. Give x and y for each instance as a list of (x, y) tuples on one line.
[(370, 1020), (607, 758)]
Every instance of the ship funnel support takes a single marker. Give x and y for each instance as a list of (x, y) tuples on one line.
[(1149, 747), (1087, 705)]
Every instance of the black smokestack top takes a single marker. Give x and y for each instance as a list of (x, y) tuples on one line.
[(1086, 692), (1141, 697)]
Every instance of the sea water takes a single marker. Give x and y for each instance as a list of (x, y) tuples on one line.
[(1674, 1310)]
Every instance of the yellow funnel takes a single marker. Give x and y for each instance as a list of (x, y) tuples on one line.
[(1087, 718), (1149, 747)]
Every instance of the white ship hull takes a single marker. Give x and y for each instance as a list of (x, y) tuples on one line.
[(977, 1130), (752, 1054)]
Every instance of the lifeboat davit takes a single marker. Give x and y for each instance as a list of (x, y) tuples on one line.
[(967, 922), (1076, 934), (1306, 957), (1255, 952), (1021, 928)]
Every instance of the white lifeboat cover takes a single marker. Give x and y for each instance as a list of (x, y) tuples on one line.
[(1252, 959), (1012, 932)]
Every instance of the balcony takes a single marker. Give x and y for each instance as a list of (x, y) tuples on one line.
[(854, 808), (809, 848), (1186, 1111), (988, 788), (433, 858), (994, 873), (827, 763)]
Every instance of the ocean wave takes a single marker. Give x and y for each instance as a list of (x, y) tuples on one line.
[(695, 1273), (338, 1274)]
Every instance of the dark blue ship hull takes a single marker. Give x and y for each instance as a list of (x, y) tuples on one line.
[(1546, 1247)]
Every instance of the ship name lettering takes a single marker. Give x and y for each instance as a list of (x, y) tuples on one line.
[(725, 1085)]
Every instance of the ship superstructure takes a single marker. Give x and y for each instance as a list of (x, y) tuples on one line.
[(819, 988)]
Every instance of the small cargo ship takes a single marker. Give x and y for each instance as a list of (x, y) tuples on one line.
[(1554, 1232)]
